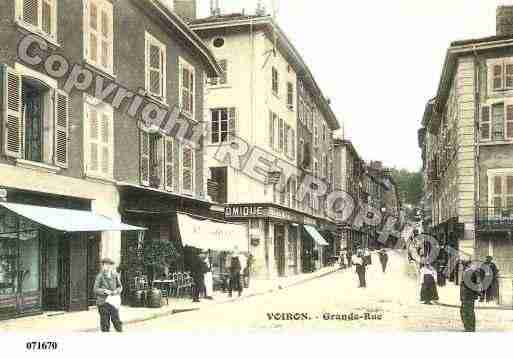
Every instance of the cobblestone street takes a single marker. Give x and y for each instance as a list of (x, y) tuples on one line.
[(393, 295)]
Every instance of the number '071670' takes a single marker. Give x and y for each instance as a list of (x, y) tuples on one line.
[(41, 345)]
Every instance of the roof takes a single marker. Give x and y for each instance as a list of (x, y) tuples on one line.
[(157, 8), (349, 144), (481, 40), (285, 46)]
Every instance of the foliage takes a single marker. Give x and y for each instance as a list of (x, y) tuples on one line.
[(158, 254), (410, 186)]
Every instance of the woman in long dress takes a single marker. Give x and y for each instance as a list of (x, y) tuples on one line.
[(428, 291)]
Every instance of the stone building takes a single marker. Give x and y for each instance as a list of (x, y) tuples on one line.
[(467, 144), (75, 160)]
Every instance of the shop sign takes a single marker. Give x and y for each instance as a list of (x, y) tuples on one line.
[(244, 212), (283, 215)]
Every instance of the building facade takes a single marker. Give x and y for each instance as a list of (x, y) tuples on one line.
[(83, 147), (256, 102), (466, 142)]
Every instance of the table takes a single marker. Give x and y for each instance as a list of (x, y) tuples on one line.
[(164, 285)]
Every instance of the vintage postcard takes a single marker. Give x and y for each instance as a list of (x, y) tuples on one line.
[(249, 165)]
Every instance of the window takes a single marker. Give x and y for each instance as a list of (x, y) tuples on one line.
[(274, 130), (501, 74), (501, 199), (151, 158), (496, 122), (223, 79), (316, 136), (324, 166), (98, 139), (188, 169), (316, 168), (35, 127), (276, 81), (281, 135), (290, 95), (223, 125), (301, 153), (292, 137), (38, 16), (169, 163), (286, 143), (301, 111), (324, 133), (98, 34), (155, 68), (187, 78)]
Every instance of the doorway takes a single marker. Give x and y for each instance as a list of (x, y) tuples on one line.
[(55, 277), (279, 249)]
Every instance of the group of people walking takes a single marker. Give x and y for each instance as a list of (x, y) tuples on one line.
[(361, 259)]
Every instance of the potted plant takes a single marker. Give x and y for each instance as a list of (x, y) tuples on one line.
[(157, 255)]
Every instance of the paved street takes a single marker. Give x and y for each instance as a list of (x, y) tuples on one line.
[(393, 296)]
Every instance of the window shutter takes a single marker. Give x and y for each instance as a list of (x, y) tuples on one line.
[(93, 31), (271, 130), (11, 90), (31, 12), (93, 139), (497, 76), (47, 16), (281, 129), (509, 122), (145, 158), (169, 163), (485, 123), (508, 76), (497, 194), (61, 129), (232, 118), (106, 145), (187, 168), (292, 144), (286, 140)]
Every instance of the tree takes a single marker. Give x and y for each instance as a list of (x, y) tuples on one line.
[(409, 186)]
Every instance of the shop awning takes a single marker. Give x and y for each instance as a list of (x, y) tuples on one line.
[(317, 237), (68, 220), (207, 234)]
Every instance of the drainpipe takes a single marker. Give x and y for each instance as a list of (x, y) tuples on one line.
[(477, 181)]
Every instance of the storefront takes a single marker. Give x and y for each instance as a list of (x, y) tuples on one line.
[(49, 253), (279, 242)]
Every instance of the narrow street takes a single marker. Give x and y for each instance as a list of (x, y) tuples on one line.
[(393, 296)]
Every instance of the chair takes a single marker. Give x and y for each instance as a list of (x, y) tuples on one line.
[(164, 288), (189, 283), (173, 285)]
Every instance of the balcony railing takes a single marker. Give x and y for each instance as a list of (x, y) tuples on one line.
[(495, 217)]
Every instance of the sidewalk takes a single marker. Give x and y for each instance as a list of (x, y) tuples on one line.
[(88, 321)]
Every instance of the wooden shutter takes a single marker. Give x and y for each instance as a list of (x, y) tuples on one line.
[(31, 12), (286, 140), (92, 27), (509, 192), (497, 75), (271, 130), (155, 69), (62, 119), (292, 144), (47, 16), (93, 137), (485, 123), (145, 158), (106, 166), (232, 123), (281, 129), (107, 36), (169, 163), (187, 168), (508, 76), (509, 122), (12, 117), (497, 195)]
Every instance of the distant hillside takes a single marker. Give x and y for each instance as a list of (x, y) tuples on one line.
[(410, 186)]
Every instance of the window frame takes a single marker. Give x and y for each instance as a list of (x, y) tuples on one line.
[(102, 109), (290, 96), (102, 7), (486, 111), (275, 81), (502, 173), (230, 130), (38, 29), (151, 40), (503, 76), (184, 64)]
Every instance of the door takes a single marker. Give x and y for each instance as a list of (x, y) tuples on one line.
[(307, 252), (93, 264), (53, 271), (29, 272), (279, 249)]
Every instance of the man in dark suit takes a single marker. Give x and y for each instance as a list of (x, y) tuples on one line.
[(108, 284), (468, 296)]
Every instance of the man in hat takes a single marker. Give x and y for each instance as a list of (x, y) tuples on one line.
[(360, 268), (468, 296), (107, 287), (490, 274)]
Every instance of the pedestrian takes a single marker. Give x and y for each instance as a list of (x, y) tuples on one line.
[(348, 257), (208, 277), (428, 291), (198, 268), (342, 259), (235, 269), (247, 271), (383, 258), (108, 288), (468, 296), (358, 261), (490, 281)]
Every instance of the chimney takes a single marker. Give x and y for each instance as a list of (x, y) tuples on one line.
[(186, 9), (504, 20)]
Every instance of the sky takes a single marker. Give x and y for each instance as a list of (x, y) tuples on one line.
[(378, 61)]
